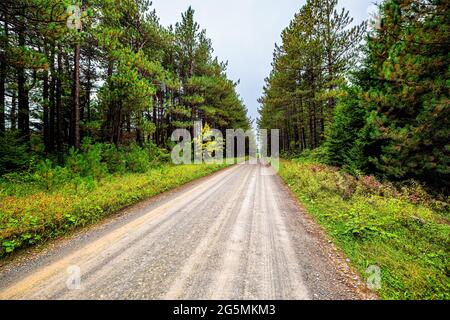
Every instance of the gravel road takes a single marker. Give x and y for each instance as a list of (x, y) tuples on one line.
[(237, 234)]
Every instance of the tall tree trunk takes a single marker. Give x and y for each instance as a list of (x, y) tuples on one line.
[(51, 121), (3, 67), (2, 94), (22, 91), (117, 126), (327, 116), (23, 117), (296, 134), (88, 90), (299, 123), (304, 146), (58, 110), (107, 125), (110, 67), (313, 108), (139, 136), (45, 96), (160, 106), (13, 112), (155, 121), (67, 102), (312, 125), (76, 98)]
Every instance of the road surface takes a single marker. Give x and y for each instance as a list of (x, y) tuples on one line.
[(237, 234)]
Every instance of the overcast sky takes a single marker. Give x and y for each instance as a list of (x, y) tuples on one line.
[(244, 33)]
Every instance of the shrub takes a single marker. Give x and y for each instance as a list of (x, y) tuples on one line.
[(13, 153), (137, 159), (45, 173), (88, 162), (156, 155), (114, 158), (318, 155)]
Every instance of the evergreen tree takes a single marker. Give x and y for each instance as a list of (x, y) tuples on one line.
[(309, 69), (406, 77)]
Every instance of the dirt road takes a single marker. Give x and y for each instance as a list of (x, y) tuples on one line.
[(237, 234)]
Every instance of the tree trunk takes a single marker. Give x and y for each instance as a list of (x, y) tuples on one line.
[(155, 121), (13, 113), (3, 80), (160, 106), (88, 90), (51, 120), (110, 68), (23, 116), (58, 111), (108, 118), (117, 126), (76, 98), (2, 94), (45, 96), (296, 135), (304, 146), (312, 125), (22, 91), (139, 136)]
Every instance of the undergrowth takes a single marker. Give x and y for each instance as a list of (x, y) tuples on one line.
[(402, 230), (35, 209)]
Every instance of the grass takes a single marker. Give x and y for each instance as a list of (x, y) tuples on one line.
[(30, 214), (403, 231)]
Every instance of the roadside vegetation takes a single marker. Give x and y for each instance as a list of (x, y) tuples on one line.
[(99, 180), (401, 229)]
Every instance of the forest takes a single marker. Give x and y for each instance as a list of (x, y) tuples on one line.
[(370, 98), (104, 73), (91, 92)]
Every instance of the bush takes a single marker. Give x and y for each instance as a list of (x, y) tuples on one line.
[(156, 155), (13, 153), (318, 155), (114, 158), (88, 162), (49, 176), (137, 159)]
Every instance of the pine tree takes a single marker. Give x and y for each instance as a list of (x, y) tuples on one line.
[(309, 69), (406, 78)]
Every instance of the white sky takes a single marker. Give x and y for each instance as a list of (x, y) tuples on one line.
[(244, 33)]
